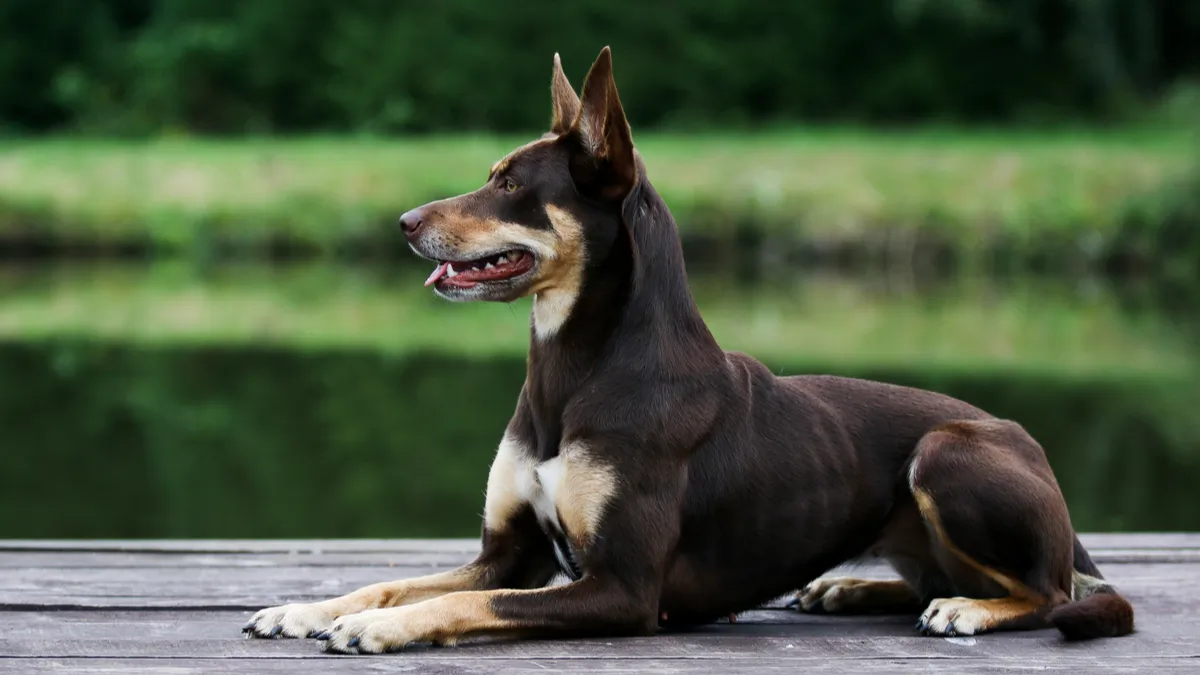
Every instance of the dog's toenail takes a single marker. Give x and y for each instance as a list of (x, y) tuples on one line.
[(275, 631), (353, 642)]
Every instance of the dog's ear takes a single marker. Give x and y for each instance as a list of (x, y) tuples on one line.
[(604, 163), (566, 101)]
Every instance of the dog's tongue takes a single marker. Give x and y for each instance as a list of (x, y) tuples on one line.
[(437, 273)]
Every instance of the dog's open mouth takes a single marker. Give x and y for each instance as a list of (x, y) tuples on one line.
[(467, 273)]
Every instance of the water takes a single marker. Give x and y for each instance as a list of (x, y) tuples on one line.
[(326, 401)]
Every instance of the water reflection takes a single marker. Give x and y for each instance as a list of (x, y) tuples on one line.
[(320, 400)]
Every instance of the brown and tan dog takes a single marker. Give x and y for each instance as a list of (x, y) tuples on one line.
[(669, 479)]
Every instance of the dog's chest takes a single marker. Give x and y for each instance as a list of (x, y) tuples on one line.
[(539, 486)]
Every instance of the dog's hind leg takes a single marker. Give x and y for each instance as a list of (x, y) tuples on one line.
[(905, 544), (998, 525), (847, 595)]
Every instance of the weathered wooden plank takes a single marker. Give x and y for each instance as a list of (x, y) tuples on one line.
[(224, 625), (404, 663), (1179, 621), (462, 546), (1159, 573), (1153, 540), (32, 559), (254, 587), (202, 589), (711, 644), (131, 560), (1138, 540)]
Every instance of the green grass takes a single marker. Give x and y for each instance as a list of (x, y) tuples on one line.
[(839, 184), (821, 322)]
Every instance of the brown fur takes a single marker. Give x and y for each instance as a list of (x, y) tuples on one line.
[(1100, 615), (674, 482), (564, 101)]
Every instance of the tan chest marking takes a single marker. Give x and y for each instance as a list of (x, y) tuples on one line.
[(504, 497), (561, 277), (569, 492)]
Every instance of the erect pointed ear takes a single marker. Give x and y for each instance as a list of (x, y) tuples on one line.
[(566, 101), (607, 164)]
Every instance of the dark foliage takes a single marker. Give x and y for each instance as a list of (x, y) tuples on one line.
[(143, 66), (115, 441)]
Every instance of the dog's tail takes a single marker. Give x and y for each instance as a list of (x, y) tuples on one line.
[(1096, 610)]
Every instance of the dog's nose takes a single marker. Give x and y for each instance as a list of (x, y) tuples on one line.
[(411, 221)]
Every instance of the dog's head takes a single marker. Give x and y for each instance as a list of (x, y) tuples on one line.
[(546, 208)]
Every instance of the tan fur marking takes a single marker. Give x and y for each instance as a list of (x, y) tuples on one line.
[(301, 619), (958, 429), (446, 619), (845, 594), (476, 237), (587, 489), (561, 279), (968, 616), (886, 593), (1012, 586), (504, 489), (411, 591), (443, 620), (1084, 585)]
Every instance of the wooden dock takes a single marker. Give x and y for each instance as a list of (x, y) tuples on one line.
[(178, 607)]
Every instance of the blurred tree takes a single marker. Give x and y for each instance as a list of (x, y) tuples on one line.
[(147, 66)]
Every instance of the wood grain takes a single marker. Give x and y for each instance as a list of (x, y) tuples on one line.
[(177, 606)]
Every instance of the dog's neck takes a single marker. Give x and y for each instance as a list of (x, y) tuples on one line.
[(634, 314)]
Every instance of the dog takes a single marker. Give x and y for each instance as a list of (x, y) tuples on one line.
[(674, 483)]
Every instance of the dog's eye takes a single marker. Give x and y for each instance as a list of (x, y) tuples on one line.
[(509, 185)]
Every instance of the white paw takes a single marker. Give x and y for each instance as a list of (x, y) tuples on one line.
[(293, 621), (953, 616), (374, 631), (833, 594)]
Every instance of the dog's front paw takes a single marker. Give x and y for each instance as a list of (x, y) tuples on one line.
[(831, 595), (947, 617), (293, 621), (374, 631)]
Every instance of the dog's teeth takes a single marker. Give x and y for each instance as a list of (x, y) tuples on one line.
[(487, 266), (512, 256), (450, 273)]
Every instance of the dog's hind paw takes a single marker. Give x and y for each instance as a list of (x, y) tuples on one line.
[(831, 595), (948, 617), (292, 621)]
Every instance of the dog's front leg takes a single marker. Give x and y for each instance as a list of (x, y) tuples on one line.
[(591, 606), (516, 556), (622, 527)]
